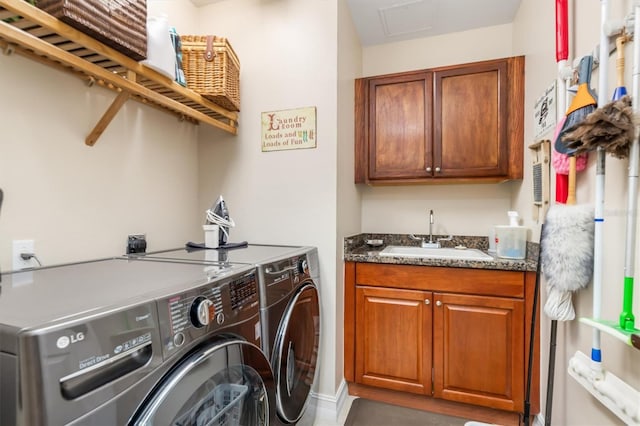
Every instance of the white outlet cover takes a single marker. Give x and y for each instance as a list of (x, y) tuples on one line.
[(19, 247)]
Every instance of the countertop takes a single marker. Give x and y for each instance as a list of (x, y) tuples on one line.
[(357, 250)]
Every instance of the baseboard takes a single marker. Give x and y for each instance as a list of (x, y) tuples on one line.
[(329, 407), (539, 421)]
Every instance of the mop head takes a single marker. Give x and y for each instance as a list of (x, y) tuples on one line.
[(559, 306), (610, 127), (566, 247)]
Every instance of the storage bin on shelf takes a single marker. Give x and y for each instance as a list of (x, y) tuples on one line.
[(120, 24), (212, 69)]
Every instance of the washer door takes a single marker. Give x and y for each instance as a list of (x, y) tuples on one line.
[(295, 352), (227, 382)]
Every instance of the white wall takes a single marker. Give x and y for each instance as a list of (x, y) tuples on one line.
[(78, 202), (287, 51)]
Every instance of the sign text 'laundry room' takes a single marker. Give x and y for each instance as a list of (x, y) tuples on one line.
[(289, 129)]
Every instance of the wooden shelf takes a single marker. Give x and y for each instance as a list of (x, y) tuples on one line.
[(41, 37)]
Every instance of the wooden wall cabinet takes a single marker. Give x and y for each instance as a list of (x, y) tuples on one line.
[(461, 123), (449, 334)]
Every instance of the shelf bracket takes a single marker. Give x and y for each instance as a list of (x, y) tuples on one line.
[(106, 118), (9, 49)]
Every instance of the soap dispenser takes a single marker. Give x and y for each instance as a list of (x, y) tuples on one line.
[(513, 218), (511, 240)]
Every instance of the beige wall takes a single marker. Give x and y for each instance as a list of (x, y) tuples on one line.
[(151, 173), (534, 36), (78, 202), (287, 51), (348, 208), (403, 209)]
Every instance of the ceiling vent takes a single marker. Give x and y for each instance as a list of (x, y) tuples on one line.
[(408, 17)]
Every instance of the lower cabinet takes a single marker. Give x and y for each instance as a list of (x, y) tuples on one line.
[(478, 350), (393, 339), (445, 333)]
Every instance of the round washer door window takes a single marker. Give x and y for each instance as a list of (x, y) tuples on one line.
[(296, 353), (225, 383)]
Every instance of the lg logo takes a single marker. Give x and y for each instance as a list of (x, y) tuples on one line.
[(64, 341)]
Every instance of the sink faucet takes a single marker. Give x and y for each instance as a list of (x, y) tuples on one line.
[(431, 227), (431, 243)]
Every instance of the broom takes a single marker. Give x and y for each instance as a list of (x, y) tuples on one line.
[(583, 104)]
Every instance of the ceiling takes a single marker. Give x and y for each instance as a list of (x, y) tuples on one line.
[(385, 21)]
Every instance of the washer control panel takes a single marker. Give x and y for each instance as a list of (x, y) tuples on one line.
[(283, 276), (187, 316)]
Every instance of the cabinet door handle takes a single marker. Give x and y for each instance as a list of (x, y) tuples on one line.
[(438, 303), (427, 301), (437, 169), (429, 169)]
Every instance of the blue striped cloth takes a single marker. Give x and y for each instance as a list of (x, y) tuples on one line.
[(177, 46)]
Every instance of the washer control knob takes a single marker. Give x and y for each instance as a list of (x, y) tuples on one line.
[(303, 266), (178, 339), (201, 311)]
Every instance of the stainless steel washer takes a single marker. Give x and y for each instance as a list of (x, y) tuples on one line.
[(290, 315), (116, 342)]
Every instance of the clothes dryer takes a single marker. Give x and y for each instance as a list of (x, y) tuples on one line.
[(291, 320), (288, 281), (126, 342)]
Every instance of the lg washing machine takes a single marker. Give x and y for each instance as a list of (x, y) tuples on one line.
[(120, 342)]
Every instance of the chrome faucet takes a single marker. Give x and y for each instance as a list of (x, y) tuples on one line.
[(431, 227), (431, 243)]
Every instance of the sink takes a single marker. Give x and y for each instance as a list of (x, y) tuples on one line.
[(435, 253)]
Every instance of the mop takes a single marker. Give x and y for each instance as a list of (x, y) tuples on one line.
[(567, 262), (567, 238)]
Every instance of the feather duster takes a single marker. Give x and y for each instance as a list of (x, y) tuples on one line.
[(611, 127)]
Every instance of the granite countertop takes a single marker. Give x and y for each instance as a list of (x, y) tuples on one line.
[(356, 249)]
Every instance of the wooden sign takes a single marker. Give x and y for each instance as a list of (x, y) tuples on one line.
[(289, 129)]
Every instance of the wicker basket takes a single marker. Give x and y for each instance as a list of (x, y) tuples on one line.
[(120, 24), (212, 69)]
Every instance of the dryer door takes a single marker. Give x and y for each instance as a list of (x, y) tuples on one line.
[(295, 352), (227, 382)]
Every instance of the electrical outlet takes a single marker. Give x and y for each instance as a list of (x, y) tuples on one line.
[(19, 247)]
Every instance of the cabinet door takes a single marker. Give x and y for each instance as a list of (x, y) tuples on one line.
[(478, 354), (400, 129), (393, 339), (471, 121)]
